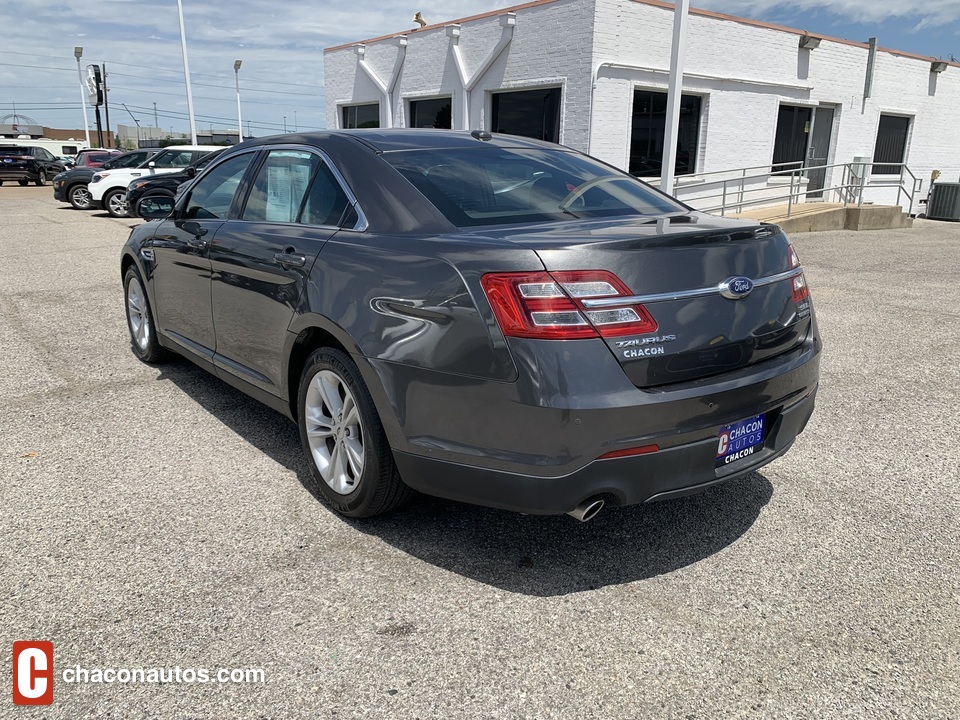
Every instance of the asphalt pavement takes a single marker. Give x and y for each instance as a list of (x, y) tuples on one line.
[(155, 518)]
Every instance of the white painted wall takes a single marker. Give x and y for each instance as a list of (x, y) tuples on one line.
[(600, 50)]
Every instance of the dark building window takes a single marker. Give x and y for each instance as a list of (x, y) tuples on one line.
[(430, 113), (891, 144), (530, 113), (648, 129), (361, 116), (790, 142)]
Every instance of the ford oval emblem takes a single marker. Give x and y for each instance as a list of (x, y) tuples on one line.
[(736, 288)]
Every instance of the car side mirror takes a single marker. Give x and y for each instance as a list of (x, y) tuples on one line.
[(154, 208), (191, 172), (151, 164)]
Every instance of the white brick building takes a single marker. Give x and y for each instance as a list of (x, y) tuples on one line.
[(592, 74)]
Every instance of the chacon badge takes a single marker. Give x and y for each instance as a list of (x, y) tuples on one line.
[(736, 288)]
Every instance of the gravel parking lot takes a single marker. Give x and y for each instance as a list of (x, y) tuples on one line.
[(157, 518)]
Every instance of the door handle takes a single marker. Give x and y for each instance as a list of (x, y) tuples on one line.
[(290, 259), (198, 243)]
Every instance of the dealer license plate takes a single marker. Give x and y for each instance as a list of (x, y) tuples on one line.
[(740, 440)]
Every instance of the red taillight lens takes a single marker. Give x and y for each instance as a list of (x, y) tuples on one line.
[(800, 289), (549, 305), (630, 452)]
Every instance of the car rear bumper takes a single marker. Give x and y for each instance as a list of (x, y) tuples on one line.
[(19, 174), (669, 473), (535, 445)]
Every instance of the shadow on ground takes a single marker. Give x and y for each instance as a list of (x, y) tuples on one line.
[(531, 555)]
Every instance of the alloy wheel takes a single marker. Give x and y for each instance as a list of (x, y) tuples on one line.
[(138, 316), (117, 205), (80, 197), (334, 431)]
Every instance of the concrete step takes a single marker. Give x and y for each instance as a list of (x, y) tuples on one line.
[(813, 217)]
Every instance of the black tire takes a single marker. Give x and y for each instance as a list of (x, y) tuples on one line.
[(23, 182), (79, 196), (140, 323), (115, 203), (377, 488), (41, 179)]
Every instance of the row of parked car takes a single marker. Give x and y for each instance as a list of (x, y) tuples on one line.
[(121, 182)]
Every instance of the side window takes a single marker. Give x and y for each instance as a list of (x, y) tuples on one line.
[(128, 161), (212, 195), (326, 200), (46, 154), (281, 184), (173, 159)]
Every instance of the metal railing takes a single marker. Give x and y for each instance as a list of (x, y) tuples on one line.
[(856, 177)]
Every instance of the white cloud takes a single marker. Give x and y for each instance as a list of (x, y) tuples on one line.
[(862, 11)]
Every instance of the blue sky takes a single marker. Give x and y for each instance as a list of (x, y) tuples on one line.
[(281, 46)]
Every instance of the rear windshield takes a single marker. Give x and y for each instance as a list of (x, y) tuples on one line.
[(490, 185), (90, 158), (14, 151)]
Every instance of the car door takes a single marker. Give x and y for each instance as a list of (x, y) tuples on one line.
[(261, 261), (47, 162), (180, 248)]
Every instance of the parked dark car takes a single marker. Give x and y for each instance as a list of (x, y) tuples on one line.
[(27, 164), (480, 317), (164, 185), (71, 186)]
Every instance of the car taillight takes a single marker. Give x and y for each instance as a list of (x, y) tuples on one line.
[(548, 305), (800, 289)]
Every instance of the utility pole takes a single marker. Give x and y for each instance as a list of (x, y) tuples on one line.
[(137, 122), (156, 120)]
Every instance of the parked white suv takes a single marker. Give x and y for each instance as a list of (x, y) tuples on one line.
[(108, 189)]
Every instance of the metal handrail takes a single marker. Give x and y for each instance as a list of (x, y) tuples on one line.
[(855, 180)]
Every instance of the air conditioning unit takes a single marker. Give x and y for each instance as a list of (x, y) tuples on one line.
[(944, 202)]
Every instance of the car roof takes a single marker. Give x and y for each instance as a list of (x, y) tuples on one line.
[(395, 139), (193, 147)]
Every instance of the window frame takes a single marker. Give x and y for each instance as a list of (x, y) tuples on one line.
[(242, 189), (347, 106), (879, 167), (702, 99), (263, 150), (494, 103), (411, 102)]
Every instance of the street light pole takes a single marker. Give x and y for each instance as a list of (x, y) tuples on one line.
[(284, 124), (186, 74), (671, 132), (236, 72), (78, 53)]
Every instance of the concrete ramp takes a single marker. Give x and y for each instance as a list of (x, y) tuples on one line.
[(813, 217)]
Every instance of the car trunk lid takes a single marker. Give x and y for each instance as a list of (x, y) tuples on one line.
[(721, 292)]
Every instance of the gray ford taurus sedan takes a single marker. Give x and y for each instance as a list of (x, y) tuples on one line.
[(485, 318)]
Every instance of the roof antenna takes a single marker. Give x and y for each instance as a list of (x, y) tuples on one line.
[(481, 134)]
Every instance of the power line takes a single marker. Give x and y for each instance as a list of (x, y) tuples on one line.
[(248, 77)]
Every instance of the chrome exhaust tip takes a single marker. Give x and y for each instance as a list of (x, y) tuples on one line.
[(587, 510)]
